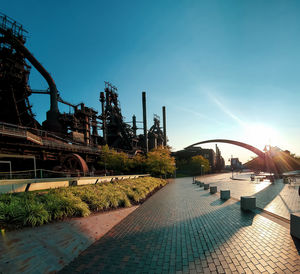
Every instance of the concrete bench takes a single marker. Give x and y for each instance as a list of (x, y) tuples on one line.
[(225, 194), (286, 180), (248, 203), (206, 186), (213, 189), (295, 225)]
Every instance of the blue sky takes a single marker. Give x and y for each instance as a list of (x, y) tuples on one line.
[(223, 69)]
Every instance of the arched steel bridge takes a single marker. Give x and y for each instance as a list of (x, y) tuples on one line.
[(240, 144)]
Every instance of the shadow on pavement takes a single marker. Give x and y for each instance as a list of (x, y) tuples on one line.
[(171, 236), (268, 194), (175, 230), (217, 202), (205, 195)]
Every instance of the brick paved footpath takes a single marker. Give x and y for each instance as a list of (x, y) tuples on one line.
[(277, 198), (184, 229), (46, 249)]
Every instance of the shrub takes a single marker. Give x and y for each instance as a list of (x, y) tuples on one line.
[(34, 214), (34, 209), (22, 212), (10, 213), (68, 205)]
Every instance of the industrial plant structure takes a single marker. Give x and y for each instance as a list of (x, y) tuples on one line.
[(65, 142)]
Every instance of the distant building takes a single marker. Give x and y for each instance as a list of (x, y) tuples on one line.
[(220, 163), (215, 159), (236, 164)]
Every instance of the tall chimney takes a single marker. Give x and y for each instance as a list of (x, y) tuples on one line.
[(164, 125), (134, 127), (102, 100), (145, 121)]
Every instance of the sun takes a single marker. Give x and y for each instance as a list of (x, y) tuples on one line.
[(260, 135)]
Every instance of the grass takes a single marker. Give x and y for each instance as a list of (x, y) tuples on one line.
[(34, 209)]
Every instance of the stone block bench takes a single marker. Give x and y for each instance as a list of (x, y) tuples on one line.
[(206, 186), (295, 225), (225, 194), (213, 189), (248, 203)]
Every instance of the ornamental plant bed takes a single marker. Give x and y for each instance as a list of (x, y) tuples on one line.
[(37, 208)]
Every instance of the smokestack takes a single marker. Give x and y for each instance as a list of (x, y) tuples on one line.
[(102, 100), (145, 120), (134, 127), (164, 125)]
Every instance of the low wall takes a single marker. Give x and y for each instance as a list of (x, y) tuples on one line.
[(20, 185)]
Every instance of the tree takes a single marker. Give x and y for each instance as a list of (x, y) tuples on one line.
[(115, 161), (199, 165), (138, 163), (159, 162)]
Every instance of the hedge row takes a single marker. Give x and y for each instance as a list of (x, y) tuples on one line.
[(35, 208)]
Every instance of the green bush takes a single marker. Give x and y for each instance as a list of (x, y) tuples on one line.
[(34, 214), (22, 212), (10, 213), (34, 209), (67, 205)]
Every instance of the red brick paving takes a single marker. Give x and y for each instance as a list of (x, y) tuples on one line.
[(184, 229), (50, 247)]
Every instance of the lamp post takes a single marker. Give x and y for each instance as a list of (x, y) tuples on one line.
[(231, 166), (174, 170)]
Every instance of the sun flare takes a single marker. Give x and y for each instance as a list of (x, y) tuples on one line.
[(259, 135)]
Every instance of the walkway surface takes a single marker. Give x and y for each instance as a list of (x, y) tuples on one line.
[(184, 229), (278, 198), (49, 248)]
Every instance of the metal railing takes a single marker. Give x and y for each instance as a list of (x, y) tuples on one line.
[(39, 137), (33, 174), (7, 23), (11, 130)]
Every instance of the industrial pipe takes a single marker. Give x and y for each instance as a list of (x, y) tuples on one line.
[(145, 121), (18, 45), (164, 125), (51, 122), (102, 100), (134, 127)]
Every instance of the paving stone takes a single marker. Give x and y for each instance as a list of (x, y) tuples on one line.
[(184, 229), (278, 198)]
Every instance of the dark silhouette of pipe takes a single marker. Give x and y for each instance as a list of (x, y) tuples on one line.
[(18, 44), (164, 125), (134, 127), (102, 100), (145, 121)]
